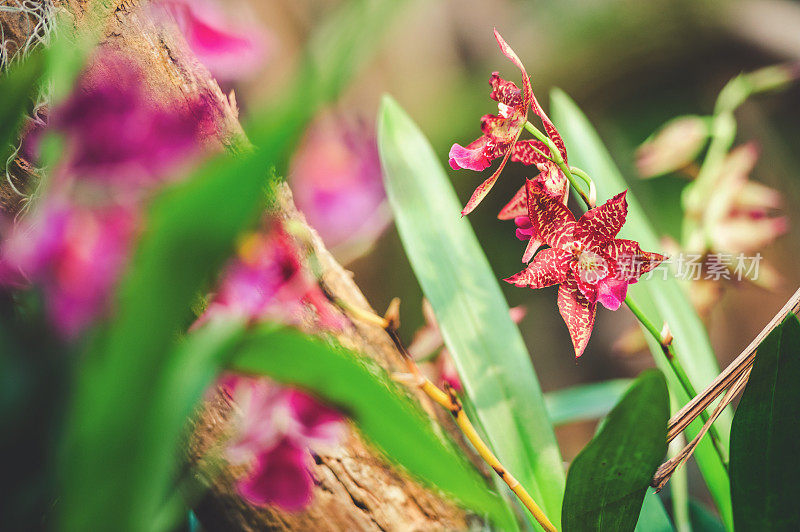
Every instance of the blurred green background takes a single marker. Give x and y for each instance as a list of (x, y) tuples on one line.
[(631, 66)]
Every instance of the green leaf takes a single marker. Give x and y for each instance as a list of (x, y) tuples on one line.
[(584, 402), (766, 430), (702, 519), (456, 278), (112, 480), (653, 517), (18, 87), (662, 299), (607, 481), (382, 411)]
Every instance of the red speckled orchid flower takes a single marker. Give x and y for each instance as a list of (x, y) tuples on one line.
[(584, 258), (554, 184), (501, 131)]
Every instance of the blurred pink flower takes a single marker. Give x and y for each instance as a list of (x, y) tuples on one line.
[(118, 143), (75, 255), (226, 40), (267, 280), (273, 432), (336, 182), (738, 217), (117, 134)]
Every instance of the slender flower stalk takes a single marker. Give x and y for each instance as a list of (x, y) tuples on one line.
[(679, 372), (448, 399)]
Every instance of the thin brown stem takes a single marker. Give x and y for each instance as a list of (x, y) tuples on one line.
[(730, 375), (449, 400)]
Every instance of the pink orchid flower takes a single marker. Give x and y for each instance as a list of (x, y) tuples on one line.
[(584, 258), (116, 134), (336, 182), (501, 132), (232, 47), (75, 254), (267, 280), (274, 430)]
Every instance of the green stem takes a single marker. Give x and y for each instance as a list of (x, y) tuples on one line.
[(679, 372), (556, 157)]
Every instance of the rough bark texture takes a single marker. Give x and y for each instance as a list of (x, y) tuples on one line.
[(356, 489)]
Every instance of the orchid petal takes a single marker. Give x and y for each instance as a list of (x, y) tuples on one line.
[(611, 292), (631, 261), (484, 187), (530, 152), (549, 267), (280, 477), (550, 218), (578, 314), (603, 223), (518, 206), (473, 156)]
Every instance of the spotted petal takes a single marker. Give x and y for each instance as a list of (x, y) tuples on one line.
[(484, 188), (518, 206), (578, 314), (530, 152), (631, 261), (550, 218), (549, 267), (603, 223)]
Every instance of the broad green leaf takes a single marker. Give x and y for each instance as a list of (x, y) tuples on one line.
[(607, 481), (584, 402), (661, 298), (766, 430), (18, 86), (455, 276), (382, 411)]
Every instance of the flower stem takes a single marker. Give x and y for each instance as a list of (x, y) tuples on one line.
[(448, 399), (556, 157), (678, 371)]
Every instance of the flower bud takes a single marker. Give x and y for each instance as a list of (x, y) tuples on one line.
[(675, 145)]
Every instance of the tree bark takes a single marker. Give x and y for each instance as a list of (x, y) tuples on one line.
[(356, 489)]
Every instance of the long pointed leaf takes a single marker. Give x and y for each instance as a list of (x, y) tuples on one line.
[(455, 276)]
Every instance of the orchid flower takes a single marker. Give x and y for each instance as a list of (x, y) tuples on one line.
[(737, 217), (267, 280), (75, 254), (231, 47), (501, 132), (585, 259), (336, 183), (274, 429)]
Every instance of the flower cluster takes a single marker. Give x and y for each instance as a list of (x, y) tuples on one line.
[(274, 429), (500, 139), (268, 280), (582, 256)]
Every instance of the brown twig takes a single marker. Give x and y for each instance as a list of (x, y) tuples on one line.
[(730, 375), (733, 379), (448, 399)]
